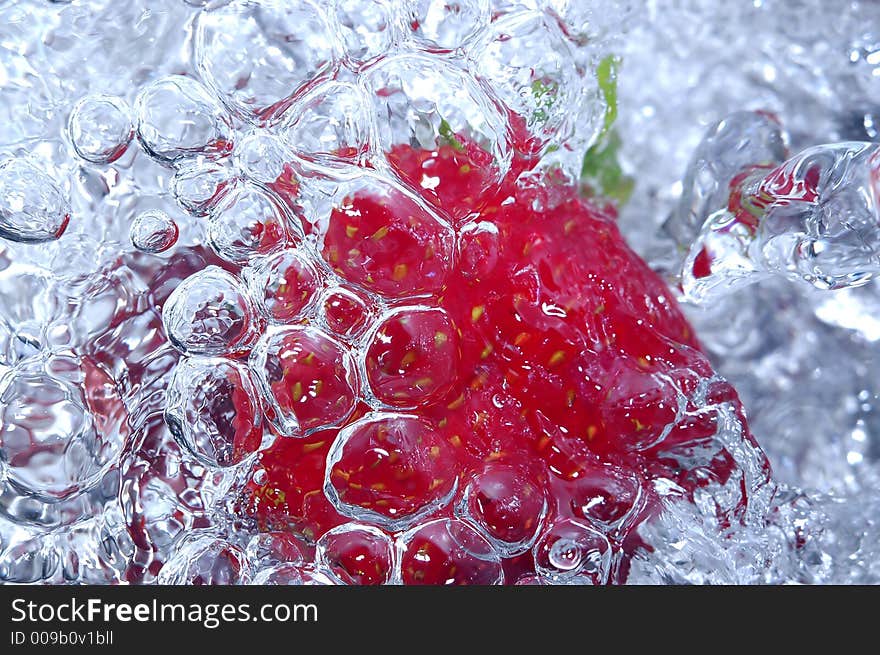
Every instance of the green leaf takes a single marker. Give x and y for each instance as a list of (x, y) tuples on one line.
[(606, 75), (448, 136), (545, 95), (601, 174)]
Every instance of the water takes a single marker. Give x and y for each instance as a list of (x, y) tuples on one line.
[(188, 281), (784, 300)]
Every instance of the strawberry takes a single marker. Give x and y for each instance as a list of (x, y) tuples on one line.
[(524, 396), (381, 239), (424, 357)]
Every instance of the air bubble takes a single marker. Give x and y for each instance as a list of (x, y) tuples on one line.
[(210, 313), (153, 232), (177, 118), (507, 506), (412, 356), (382, 239), (32, 207), (198, 186), (365, 27), (425, 103), (606, 497), (447, 552), (531, 67), (443, 25), (51, 447), (332, 126), (270, 548), (262, 157), (391, 470), (307, 378), (285, 285), (100, 128), (427, 112), (356, 554), (572, 551), (205, 560), (214, 411), (248, 223), (257, 57)]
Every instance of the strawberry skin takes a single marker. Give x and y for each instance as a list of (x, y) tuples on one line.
[(531, 383)]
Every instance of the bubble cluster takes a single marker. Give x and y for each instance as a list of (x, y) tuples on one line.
[(354, 180), (771, 233)]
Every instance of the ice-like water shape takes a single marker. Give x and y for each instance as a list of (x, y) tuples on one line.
[(814, 218)]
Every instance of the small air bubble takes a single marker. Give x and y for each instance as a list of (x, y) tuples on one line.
[(100, 128), (153, 232)]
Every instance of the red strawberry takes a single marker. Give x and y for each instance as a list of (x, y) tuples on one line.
[(356, 554), (382, 239), (531, 389)]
